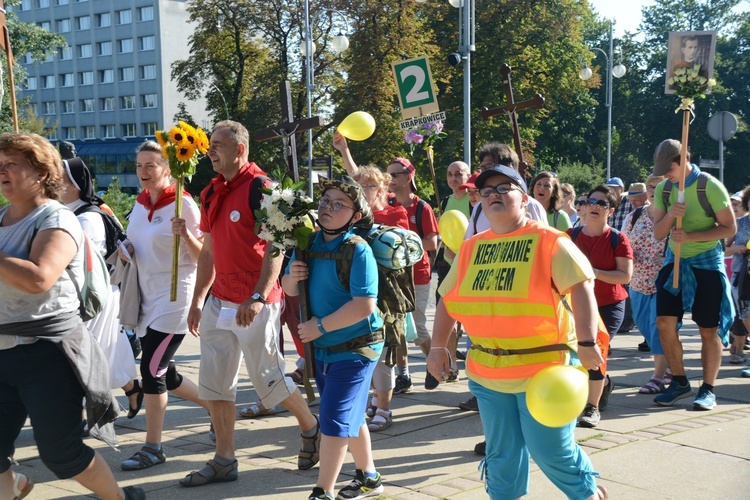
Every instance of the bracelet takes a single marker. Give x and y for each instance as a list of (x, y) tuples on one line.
[(440, 348), (586, 343)]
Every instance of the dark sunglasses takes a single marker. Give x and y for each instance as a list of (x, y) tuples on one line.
[(580, 203), (601, 203)]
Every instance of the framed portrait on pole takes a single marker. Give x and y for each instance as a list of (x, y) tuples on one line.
[(690, 50)]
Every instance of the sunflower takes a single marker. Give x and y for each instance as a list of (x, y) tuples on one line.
[(202, 141), (162, 138), (177, 135), (184, 151), (165, 152)]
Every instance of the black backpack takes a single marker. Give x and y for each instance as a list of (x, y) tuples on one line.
[(114, 230)]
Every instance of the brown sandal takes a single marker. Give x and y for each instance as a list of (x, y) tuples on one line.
[(19, 492), (217, 474), (309, 454)]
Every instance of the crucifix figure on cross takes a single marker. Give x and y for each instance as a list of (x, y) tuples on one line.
[(511, 110), (288, 128)]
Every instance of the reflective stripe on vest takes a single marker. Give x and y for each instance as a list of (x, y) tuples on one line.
[(505, 299)]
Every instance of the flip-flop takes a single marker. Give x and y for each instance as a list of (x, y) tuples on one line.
[(19, 493), (256, 411)]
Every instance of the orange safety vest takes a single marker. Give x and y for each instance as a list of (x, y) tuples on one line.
[(505, 299)]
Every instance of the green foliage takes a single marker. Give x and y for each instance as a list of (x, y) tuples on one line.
[(120, 203), (582, 177), (183, 115)]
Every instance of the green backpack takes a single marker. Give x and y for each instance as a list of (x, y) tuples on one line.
[(396, 294)]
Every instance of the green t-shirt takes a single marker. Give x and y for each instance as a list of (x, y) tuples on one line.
[(695, 218), (462, 206), (563, 221)]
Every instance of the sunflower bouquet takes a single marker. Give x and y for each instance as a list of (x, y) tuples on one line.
[(182, 146), (286, 216)]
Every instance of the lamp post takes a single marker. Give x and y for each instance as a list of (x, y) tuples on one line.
[(339, 44), (466, 22), (226, 109), (617, 71)]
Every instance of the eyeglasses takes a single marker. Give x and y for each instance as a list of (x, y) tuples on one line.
[(580, 203), (601, 203), (395, 174), (502, 188), (650, 187), (333, 205)]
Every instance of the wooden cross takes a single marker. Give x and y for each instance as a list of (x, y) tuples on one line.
[(510, 109), (288, 128)]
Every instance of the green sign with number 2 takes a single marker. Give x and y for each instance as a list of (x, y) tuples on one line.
[(416, 92)]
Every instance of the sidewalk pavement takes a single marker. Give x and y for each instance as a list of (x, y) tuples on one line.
[(640, 450)]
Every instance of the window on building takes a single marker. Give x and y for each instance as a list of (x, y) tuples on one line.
[(149, 128), (49, 56), (87, 105), (146, 43), (84, 50), (103, 20), (124, 16), (108, 131), (87, 77), (83, 23), (49, 108), (27, 59), (65, 54), (127, 102), (89, 132), (63, 25), (31, 83), (63, 2), (48, 82), (106, 76), (107, 104), (43, 4), (67, 80), (145, 13), (125, 45), (25, 5), (104, 48), (68, 107), (148, 72), (69, 133), (127, 74), (128, 130), (44, 25), (52, 134), (148, 101)]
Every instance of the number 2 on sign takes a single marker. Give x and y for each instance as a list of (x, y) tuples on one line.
[(415, 94)]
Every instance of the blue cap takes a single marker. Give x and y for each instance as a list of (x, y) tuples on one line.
[(615, 181), (498, 169)]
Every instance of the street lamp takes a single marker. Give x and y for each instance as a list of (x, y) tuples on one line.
[(226, 109), (466, 21), (339, 44), (618, 72)]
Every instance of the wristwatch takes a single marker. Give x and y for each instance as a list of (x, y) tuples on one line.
[(320, 326), (258, 297)]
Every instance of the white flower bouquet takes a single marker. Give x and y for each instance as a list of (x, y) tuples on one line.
[(286, 218)]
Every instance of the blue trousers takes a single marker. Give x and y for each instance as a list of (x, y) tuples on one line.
[(513, 435)]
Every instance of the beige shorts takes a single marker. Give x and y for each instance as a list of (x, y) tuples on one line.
[(222, 351)]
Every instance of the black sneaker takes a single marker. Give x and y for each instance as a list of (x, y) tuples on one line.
[(470, 404), (361, 487), (430, 382), (134, 493), (590, 416), (319, 493), (604, 399), (403, 384), (644, 347), (143, 459), (481, 448)]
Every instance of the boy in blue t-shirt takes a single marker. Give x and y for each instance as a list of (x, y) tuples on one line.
[(346, 331)]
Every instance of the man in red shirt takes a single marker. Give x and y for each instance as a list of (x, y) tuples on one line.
[(241, 315), (403, 186)]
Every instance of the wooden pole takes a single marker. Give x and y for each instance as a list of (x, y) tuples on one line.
[(176, 247), (11, 82), (681, 192), (304, 312), (430, 157)]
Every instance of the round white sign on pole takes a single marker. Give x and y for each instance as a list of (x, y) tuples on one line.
[(722, 126)]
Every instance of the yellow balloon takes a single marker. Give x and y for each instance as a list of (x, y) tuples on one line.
[(557, 394), (452, 226), (358, 126), (748, 244)]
